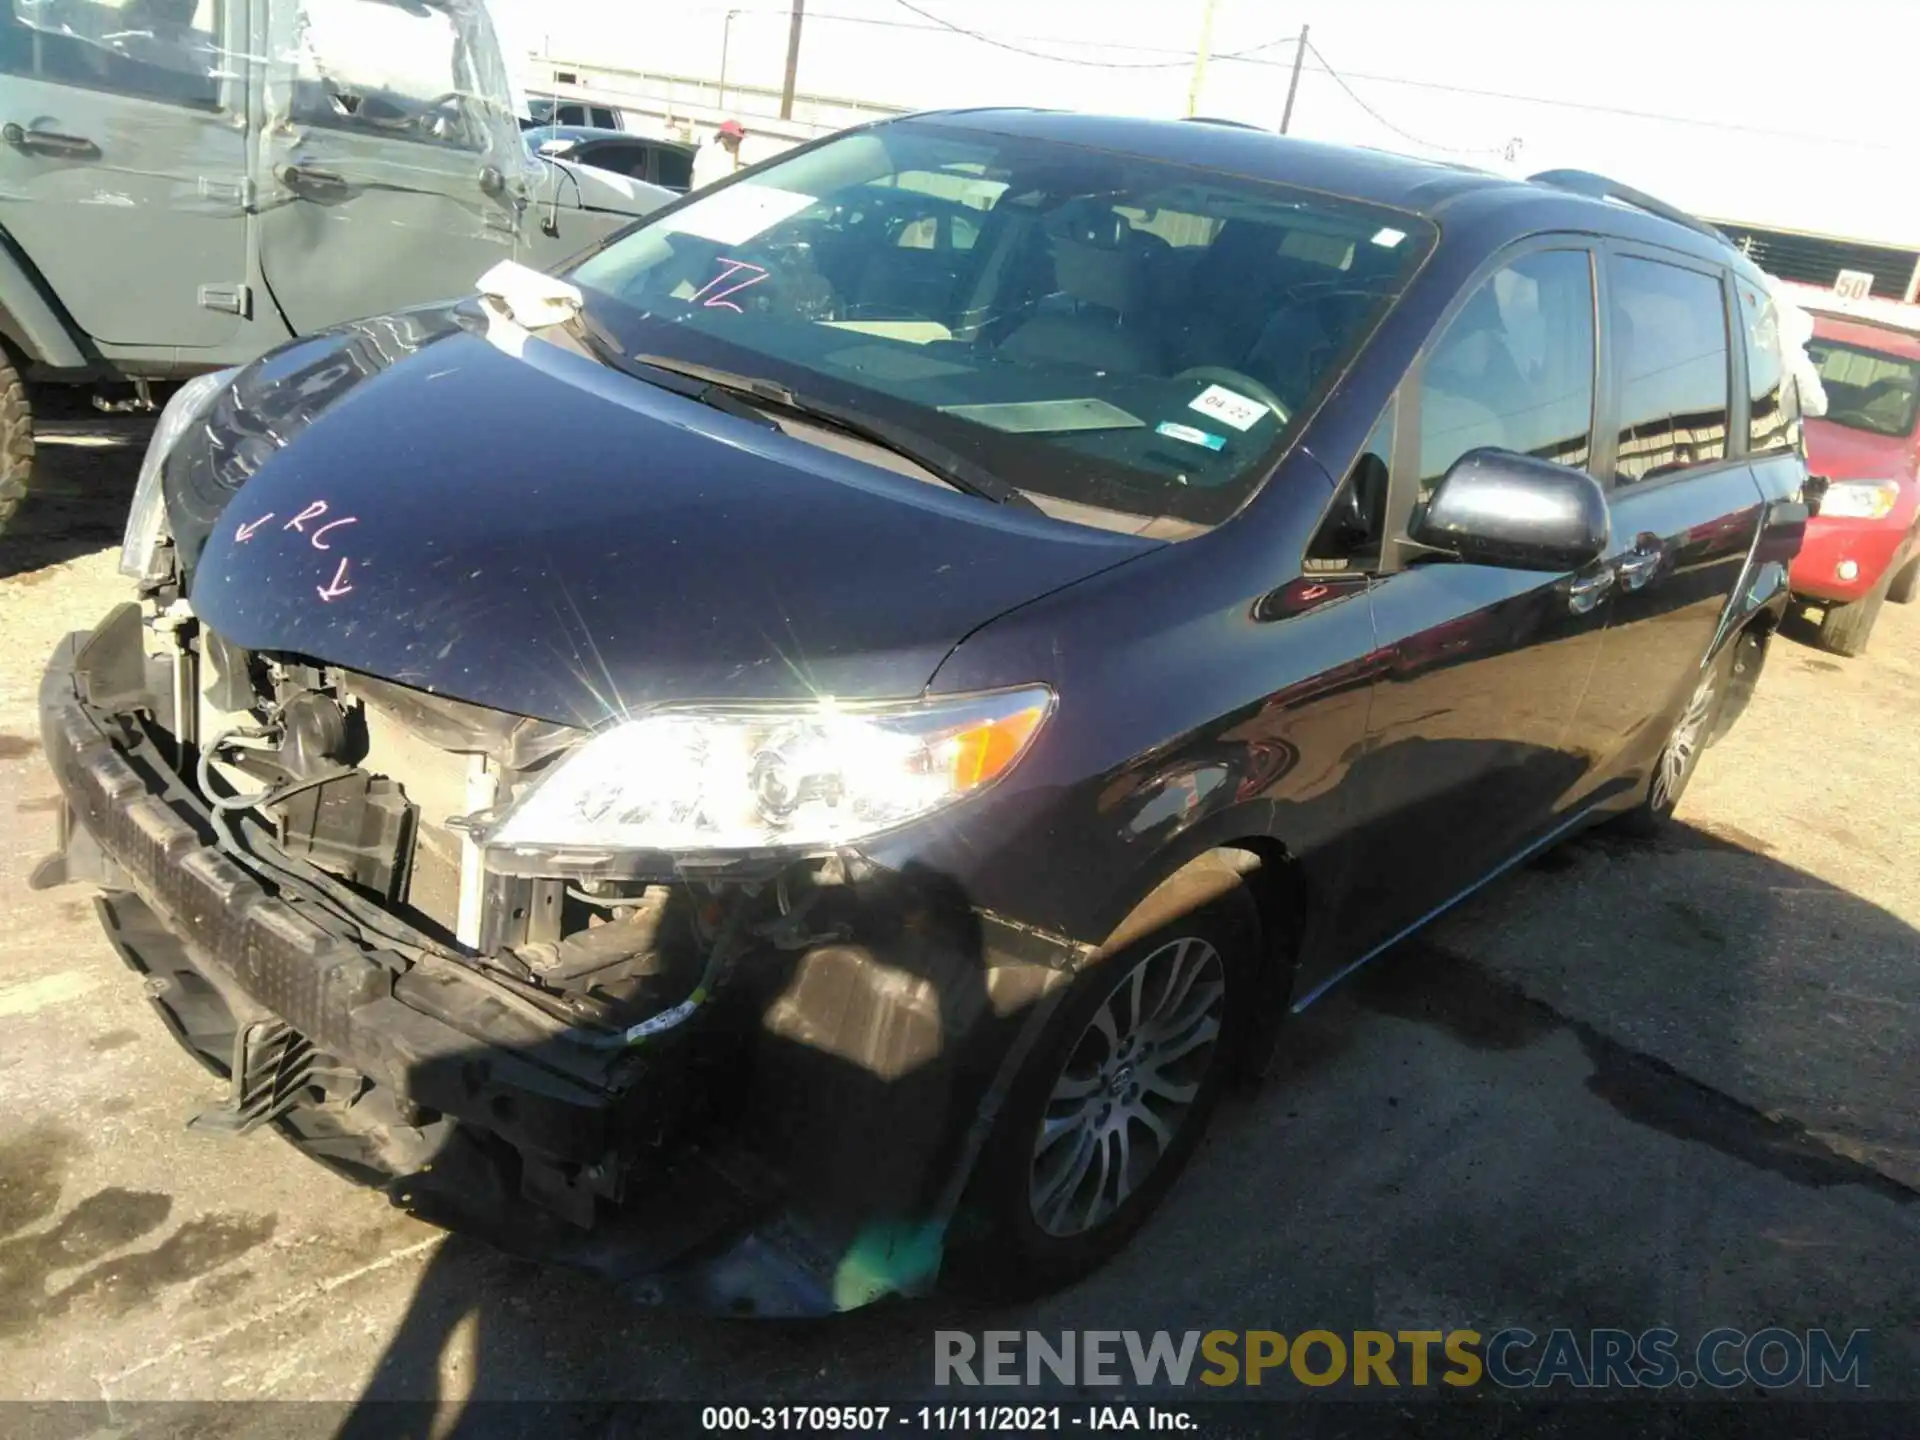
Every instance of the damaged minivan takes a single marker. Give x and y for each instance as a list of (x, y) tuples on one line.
[(790, 763)]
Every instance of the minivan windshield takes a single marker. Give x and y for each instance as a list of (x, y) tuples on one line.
[(1115, 331), (1867, 389)]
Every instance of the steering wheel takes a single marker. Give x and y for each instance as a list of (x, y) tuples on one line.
[(441, 109), (1244, 383)]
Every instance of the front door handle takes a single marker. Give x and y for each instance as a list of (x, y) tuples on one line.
[(1637, 567), (1589, 590), (48, 142), (313, 183)]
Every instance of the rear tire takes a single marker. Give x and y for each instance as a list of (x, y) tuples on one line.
[(1845, 629), (1902, 590), (1110, 1105), (1695, 729), (16, 441)]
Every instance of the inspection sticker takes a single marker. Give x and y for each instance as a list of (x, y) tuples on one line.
[(736, 214), (1192, 436), (1228, 407)]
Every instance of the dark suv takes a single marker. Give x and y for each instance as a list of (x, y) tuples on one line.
[(998, 609)]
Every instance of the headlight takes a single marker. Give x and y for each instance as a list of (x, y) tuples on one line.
[(756, 778), (147, 520), (1860, 499)]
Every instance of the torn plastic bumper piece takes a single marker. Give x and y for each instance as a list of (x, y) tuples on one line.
[(868, 1070), (229, 967)]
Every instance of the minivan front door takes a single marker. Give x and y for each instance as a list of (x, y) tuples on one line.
[(1685, 512), (395, 173), (123, 164), (1467, 757)]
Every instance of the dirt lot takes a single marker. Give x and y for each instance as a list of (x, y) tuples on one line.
[(1628, 1085)]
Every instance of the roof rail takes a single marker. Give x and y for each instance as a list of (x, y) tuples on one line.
[(1599, 187)]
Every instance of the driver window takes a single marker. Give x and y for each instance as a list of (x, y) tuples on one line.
[(391, 70), (1514, 369)]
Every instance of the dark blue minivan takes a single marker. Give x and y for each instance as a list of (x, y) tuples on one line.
[(789, 763)]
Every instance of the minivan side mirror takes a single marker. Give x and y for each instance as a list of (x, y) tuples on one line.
[(1495, 507)]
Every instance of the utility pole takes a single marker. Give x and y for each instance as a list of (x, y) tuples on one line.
[(726, 36), (1293, 85), (1200, 57), (793, 59)]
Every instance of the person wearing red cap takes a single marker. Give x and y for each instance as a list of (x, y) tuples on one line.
[(720, 156)]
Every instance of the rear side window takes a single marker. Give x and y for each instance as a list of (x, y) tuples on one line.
[(1514, 369), (618, 156), (1772, 406), (675, 169), (606, 119), (1669, 330), (169, 53)]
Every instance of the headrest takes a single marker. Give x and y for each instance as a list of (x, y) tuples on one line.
[(1097, 275)]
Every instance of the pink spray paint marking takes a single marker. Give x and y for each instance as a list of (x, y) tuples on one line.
[(312, 512), (718, 299), (330, 525), (337, 587), (245, 532)]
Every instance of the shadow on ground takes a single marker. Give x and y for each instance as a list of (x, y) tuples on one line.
[(1438, 1147), (84, 471)]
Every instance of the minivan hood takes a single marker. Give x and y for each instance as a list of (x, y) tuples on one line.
[(543, 535), (1841, 452)]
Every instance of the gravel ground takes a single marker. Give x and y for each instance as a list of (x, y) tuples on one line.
[(1627, 1085)]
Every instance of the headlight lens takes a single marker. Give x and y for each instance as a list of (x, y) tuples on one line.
[(1860, 499), (769, 779), (140, 555)]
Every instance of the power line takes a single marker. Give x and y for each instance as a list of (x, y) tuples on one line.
[(1340, 80), (1597, 109), (1179, 64), (1252, 55), (944, 29)]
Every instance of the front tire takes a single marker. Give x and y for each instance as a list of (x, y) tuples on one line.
[(1845, 629), (1699, 721), (16, 441), (1902, 590), (1118, 1092)]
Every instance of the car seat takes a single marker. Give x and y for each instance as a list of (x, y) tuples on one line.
[(1099, 282)]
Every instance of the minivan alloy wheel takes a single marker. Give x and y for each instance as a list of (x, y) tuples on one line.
[(1689, 738), (1128, 1086)]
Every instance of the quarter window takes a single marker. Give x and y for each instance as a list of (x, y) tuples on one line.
[(1349, 537), (166, 50), (1514, 369), (1773, 404), (1669, 329)]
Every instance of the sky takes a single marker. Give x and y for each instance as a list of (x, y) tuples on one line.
[(1790, 115)]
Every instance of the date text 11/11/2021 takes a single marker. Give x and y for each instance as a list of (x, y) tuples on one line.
[(940, 1419)]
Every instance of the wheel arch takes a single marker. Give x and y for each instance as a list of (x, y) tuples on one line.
[(1749, 644), (33, 323), (1235, 848)]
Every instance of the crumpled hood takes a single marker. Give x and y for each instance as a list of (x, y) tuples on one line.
[(543, 535)]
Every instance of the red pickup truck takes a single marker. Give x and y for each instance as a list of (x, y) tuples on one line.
[(1862, 546)]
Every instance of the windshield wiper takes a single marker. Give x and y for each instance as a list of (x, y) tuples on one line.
[(930, 455), (719, 397)]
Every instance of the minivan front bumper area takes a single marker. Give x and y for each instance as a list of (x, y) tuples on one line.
[(799, 1148)]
